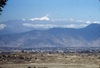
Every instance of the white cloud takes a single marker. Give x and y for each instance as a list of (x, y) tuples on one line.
[(2, 26), (88, 22), (39, 25), (75, 26), (62, 19), (79, 21), (63, 23), (42, 18), (55, 20), (71, 19), (96, 22), (23, 19), (47, 26)]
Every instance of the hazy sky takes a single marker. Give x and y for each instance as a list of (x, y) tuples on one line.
[(54, 9)]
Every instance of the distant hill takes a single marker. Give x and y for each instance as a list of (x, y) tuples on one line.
[(54, 37)]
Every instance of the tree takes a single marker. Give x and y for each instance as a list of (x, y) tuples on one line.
[(2, 4)]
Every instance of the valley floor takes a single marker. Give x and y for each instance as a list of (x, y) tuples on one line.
[(50, 65), (45, 60)]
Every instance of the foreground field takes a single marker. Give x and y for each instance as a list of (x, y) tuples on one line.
[(51, 65), (45, 60)]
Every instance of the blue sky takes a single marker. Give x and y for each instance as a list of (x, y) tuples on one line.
[(54, 9)]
